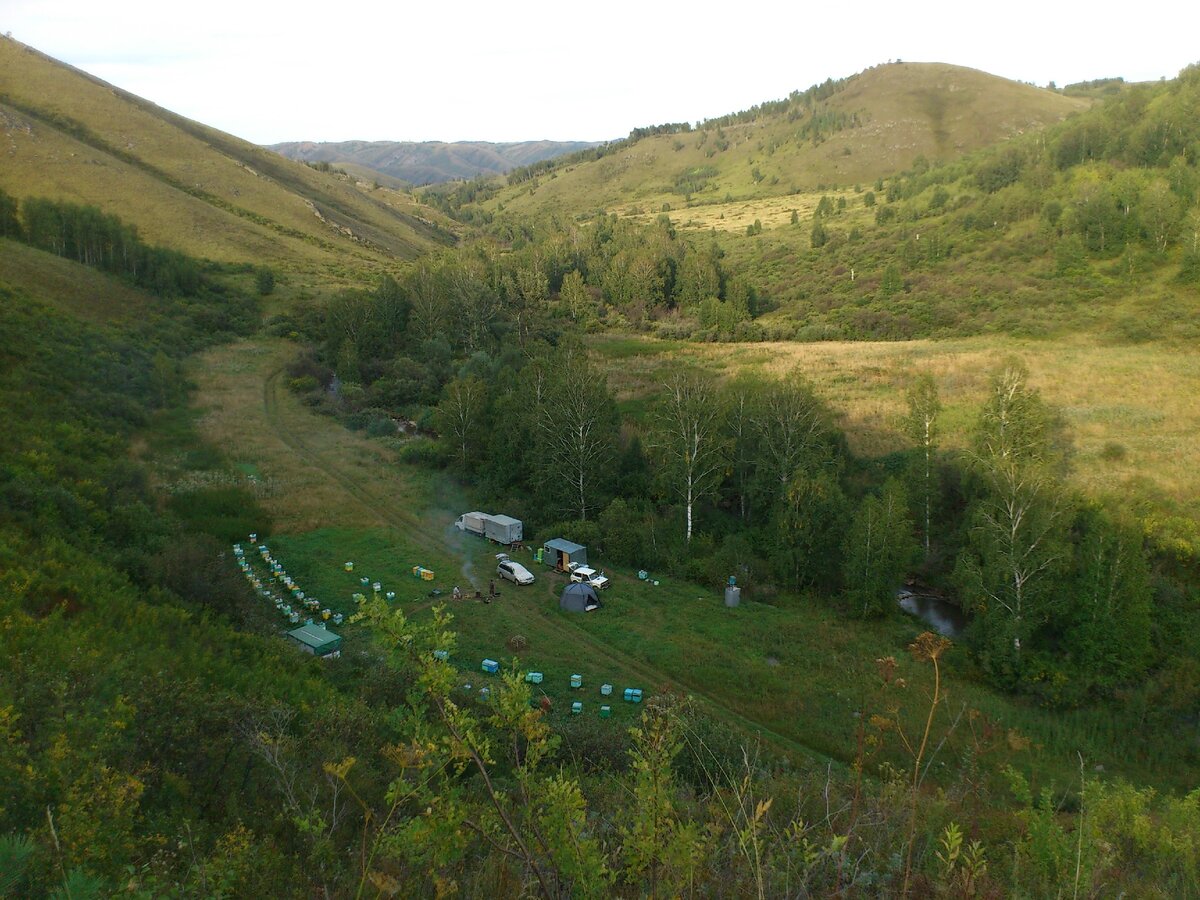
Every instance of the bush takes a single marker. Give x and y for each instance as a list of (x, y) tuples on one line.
[(305, 384), (423, 452), (381, 427), (264, 281)]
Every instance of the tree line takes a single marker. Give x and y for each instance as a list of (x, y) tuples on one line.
[(94, 238)]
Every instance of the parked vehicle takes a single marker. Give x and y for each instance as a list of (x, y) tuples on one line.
[(588, 575), (514, 572), (501, 529)]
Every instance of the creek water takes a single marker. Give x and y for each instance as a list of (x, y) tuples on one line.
[(939, 613)]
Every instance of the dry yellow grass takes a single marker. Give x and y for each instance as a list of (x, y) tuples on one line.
[(315, 473), (1141, 402), (772, 212)]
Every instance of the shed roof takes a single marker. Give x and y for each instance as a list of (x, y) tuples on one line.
[(564, 546), (315, 636)]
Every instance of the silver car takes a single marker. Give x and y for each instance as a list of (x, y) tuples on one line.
[(514, 572)]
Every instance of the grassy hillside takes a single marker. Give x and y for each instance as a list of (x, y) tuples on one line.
[(428, 162), (853, 131), (72, 137)]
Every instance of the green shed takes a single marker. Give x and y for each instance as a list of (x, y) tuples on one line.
[(560, 553), (316, 639)]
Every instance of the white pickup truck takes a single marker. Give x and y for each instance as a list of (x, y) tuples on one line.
[(588, 575)]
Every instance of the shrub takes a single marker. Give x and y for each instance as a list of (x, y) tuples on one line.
[(381, 427), (305, 384)]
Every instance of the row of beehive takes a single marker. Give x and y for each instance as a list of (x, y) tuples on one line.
[(279, 574)]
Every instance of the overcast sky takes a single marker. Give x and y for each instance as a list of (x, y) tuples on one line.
[(270, 71)]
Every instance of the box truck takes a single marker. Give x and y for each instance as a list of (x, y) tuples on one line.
[(501, 529)]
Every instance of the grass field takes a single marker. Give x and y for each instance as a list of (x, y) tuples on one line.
[(797, 675), (1131, 411)]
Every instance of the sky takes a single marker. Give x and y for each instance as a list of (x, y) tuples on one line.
[(270, 71)]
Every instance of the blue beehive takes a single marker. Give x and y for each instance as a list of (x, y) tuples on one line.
[(576, 707), (491, 666), (485, 693), (443, 655), (534, 677), (576, 681), (606, 689), (633, 695)]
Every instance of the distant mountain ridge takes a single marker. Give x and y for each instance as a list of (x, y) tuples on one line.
[(429, 162)]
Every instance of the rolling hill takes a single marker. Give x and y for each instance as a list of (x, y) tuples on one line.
[(69, 136), (428, 162), (865, 127)]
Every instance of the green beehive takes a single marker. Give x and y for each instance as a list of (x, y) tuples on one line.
[(534, 677), (605, 712), (576, 707)]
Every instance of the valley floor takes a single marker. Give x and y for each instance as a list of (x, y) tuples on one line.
[(797, 676)]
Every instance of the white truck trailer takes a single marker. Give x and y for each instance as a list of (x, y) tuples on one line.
[(501, 529)]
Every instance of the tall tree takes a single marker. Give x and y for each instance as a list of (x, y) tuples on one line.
[(924, 406), (809, 525), (429, 306), (879, 549), (792, 427), (574, 294), (1109, 635), (460, 416), (578, 428), (688, 440), (1160, 212), (1016, 548), (739, 401)]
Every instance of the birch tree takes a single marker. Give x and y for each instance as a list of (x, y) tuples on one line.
[(792, 427), (578, 429), (429, 305), (688, 441), (460, 415), (1016, 546), (574, 294)]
